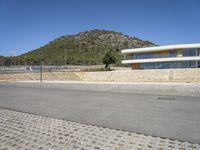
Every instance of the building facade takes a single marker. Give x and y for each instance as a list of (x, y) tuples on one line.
[(163, 57)]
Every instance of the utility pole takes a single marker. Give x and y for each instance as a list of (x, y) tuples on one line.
[(40, 67)]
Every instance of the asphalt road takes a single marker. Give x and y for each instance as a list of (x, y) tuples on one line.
[(174, 117)]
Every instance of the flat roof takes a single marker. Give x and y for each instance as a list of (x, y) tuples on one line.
[(160, 48), (170, 59)]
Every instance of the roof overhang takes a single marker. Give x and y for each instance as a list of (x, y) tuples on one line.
[(160, 48), (161, 60)]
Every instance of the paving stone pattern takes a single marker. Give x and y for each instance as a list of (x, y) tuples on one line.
[(20, 131)]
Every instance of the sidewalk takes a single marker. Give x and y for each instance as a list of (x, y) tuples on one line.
[(117, 83)]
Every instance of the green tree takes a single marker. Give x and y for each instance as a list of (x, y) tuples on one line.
[(108, 59)]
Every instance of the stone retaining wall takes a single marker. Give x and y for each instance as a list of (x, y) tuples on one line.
[(163, 75)]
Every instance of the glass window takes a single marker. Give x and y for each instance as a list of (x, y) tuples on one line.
[(147, 66), (133, 56), (168, 65), (185, 64), (172, 64), (193, 64), (189, 52), (186, 52), (149, 55), (173, 53), (178, 64), (198, 64), (158, 65)]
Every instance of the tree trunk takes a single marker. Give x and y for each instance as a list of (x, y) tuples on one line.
[(106, 66)]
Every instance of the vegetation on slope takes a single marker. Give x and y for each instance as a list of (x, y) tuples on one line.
[(85, 48)]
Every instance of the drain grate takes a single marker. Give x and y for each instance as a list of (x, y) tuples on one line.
[(166, 98)]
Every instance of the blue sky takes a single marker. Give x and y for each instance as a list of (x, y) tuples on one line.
[(29, 24)]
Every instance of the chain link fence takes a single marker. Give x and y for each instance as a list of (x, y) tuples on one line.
[(36, 69)]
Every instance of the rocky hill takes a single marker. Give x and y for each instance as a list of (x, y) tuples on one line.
[(84, 48)]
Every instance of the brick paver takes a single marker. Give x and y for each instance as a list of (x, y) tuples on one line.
[(20, 131)]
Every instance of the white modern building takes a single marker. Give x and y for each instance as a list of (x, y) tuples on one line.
[(161, 57)]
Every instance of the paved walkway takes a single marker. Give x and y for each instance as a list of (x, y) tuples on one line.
[(20, 131)]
